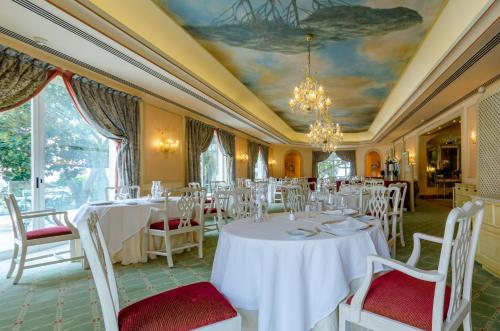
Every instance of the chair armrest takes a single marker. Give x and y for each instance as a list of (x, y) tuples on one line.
[(415, 254), (37, 211), (360, 295), (43, 214)]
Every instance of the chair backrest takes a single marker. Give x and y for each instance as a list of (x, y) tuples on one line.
[(222, 198), (293, 198), (15, 216), (241, 204), (378, 204), (190, 202), (373, 182), (122, 192), (240, 182), (194, 185), (459, 247), (402, 189), (101, 267), (216, 184)]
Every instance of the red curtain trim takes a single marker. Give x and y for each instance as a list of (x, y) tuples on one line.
[(52, 74)]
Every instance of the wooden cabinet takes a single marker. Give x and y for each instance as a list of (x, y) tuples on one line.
[(463, 193), (488, 249)]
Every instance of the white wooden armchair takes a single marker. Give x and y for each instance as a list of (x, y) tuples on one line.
[(197, 306), (409, 298), (24, 239), (190, 204)]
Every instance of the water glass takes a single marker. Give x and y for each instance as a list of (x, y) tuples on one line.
[(156, 189)]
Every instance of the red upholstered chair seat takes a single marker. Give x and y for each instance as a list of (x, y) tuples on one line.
[(211, 210), (181, 309), (173, 224), (400, 297), (48, 232)]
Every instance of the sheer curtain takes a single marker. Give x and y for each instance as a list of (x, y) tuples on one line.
[(21, 77), (198, 137), (348, 156), (113, 114), (227, 142), (265, 156), (317, 157)]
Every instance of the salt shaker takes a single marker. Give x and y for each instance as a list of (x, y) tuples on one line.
[(291, 217)]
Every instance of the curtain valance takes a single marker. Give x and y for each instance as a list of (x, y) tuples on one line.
[(21, 77)]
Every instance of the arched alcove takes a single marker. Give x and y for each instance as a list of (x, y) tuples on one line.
[(293, 164), (373, 164)]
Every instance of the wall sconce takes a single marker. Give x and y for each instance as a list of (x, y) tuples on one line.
[(411, 159), (473, 137), (272, 162), (243, 157), (167, 145)]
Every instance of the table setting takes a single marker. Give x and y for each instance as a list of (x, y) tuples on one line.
[(290, 273)]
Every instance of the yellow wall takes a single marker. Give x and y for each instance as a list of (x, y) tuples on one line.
[(279, 152), (241, 166)]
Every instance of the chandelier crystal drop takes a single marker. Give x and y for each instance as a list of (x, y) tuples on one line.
[(309, 96)]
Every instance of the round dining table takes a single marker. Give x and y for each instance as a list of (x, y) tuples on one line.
[(292, 283), (122, 223)]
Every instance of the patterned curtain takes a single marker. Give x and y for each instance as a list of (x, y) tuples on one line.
[(198, 138), (21, 77), (317, 157), (227, 142), (265, 156), (253, 155), (348, 156), (115, 115)]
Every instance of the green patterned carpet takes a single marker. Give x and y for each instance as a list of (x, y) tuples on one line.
[(63, 297)]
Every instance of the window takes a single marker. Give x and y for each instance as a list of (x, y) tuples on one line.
[(260, 167), (50, 157), (334, 167), (215, 166)]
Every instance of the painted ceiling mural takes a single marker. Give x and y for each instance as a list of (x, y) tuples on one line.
[(359, 51)]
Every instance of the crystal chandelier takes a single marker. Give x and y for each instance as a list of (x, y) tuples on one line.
[(323, 132), (309, 96)]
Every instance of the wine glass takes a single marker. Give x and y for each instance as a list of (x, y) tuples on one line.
[(343, 203)]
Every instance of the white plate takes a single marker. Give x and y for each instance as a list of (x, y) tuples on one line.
[(157, 200), (335, 218), (131, 203), (296, 233), (332, 212), (107, 203), (348, 211), (366, 218)]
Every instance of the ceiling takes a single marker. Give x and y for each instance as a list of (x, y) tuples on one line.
[(146, 52), (359, 51)]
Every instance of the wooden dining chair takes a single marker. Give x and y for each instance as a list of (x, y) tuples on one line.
[(190, 221), (293, 198), (400, 212), (24, 239), (197, 306), (379, 207), (409, 298), (241, 204)]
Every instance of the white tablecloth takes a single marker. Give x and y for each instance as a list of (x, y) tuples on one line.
[(121, 225), (292, 283)]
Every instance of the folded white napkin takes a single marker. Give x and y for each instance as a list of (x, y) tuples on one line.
[(350, 224)]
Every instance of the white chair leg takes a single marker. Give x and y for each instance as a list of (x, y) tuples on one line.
[(13, 261), (342, 322), (467, 324), (168, 250), (145, 245), (402, 237), (20, 267), (200, 245)]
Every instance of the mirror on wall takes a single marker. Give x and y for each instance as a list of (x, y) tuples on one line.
[(443, 155)]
